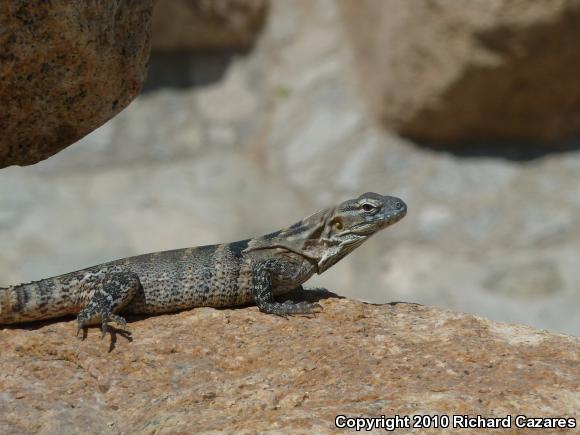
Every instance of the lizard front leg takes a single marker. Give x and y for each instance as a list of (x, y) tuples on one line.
[(106, 296), (264, 296)]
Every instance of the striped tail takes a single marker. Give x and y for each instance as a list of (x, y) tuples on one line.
[(4, 307), (33, 301)]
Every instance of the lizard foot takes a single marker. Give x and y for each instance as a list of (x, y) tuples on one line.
[(111, 317), (290, 308), (83, 322)]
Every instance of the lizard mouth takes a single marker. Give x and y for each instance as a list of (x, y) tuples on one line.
[(371, 227), (395, 217)]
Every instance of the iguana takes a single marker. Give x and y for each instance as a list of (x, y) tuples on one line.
[(227, 275)]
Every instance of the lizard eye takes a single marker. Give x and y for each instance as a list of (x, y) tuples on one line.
[(367, 207)]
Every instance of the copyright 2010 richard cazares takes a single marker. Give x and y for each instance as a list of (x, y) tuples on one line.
[(443, 421)]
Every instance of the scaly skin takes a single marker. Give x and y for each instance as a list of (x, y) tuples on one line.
[(227, 275)]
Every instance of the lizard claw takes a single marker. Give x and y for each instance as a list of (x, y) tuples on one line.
[(117, 319), (104, 324), (82, 326), (308, 308)]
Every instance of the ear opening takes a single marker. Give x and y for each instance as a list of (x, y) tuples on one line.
[(337, 223)]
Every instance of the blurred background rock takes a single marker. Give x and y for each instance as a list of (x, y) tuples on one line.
[(257, 113)]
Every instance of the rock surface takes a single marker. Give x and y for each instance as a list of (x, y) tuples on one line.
[(66, 68), (496, 70), (180, 25), (233, 370)]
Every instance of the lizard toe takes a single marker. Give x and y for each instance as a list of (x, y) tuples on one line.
[(104, 326), (118, 320), (309, 308), (301, 308)]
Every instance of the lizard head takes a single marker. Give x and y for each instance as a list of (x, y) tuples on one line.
[(365, 215), (354, 221), (329, 235)]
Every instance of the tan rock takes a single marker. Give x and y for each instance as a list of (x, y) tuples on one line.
[(207, 24), (66, 68), (498, 70), (232, 370)]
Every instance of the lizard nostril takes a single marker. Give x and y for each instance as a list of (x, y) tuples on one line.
[(398, 205)]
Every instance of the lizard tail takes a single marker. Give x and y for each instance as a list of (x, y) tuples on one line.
[(29, 302), (5, 306)]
